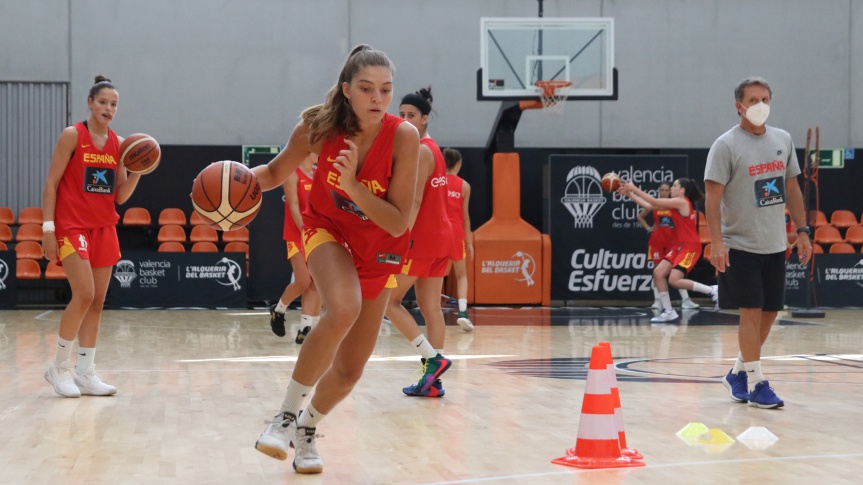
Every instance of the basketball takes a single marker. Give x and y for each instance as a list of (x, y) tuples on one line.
[(140, 153), (610, 182), (226, 195)]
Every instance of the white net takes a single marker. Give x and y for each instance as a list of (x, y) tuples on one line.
[(553, 95)]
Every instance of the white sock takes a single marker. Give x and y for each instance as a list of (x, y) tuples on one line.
[(684, 295), (700, 288), (462, 304), (86, 355), (439, 351), (315, 320), (424, 347), (655, 294), (64, 350), (281, 307), (310, 417), (666, 300), (738, 364), (294, 397), (753, 373), (305, 321)]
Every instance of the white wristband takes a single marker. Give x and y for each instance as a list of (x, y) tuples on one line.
[(48, 226)]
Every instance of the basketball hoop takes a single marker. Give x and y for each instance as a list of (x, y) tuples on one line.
[(553, 95)]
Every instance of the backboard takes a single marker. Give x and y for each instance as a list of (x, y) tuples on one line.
[(517, 52)]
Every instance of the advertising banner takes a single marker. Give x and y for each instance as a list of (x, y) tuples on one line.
[(178, 280), (599, 250), (8, 282)]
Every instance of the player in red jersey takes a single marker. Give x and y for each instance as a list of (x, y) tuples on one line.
[(297, 188), (661, 237), (686, 248), (428, 258), (355, 234), (458, 198), (84, 182)]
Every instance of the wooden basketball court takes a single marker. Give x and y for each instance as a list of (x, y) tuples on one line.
[(195, 388)]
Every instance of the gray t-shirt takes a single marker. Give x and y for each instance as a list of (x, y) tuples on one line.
[(754, 170)]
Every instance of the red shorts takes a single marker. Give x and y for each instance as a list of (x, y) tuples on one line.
[(426, 268), (371, 283), (684, 257), (100, 246), (459, 250), (657, 253)]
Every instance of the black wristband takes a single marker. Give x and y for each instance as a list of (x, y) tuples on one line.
[(804, 229)]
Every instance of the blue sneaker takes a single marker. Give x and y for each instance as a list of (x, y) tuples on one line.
[(764, 397), (436, 390), (737, 386)]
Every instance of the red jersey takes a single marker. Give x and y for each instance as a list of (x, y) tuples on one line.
[(304, 185), (685, 228), (455, 205), (330, 208), (432, 223), (663, 229), (87, 190)]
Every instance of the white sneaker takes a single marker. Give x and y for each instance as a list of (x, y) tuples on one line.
[(689, 304), (714, 296), (306, 459), (464, 322), (91, 384), (665, 316), (62, 378), (656, 305), (275, 439)]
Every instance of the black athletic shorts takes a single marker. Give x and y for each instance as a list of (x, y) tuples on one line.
[(753, 281)]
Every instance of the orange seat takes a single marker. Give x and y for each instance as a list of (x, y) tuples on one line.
[(5, 233), (843, 218), (817, 218), (171, 232), (239, 235), (28, 250), (842, 248), (137, 216), (28, 269), (196, 220), (30, 215), (204, 247), (237, 247), (172, 247), (704, 234), (854, 235), (3, 246), (702, 219), (203, 233), (29, 232), (7, 216), (705, 253), (817, 249), (172, 216), (55, 272), (828, 235)]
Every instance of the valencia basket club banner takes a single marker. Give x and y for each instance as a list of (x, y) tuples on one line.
[(8, 281), (178, 280), (599, 250), (838, 281)]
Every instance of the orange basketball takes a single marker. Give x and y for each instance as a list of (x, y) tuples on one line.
[(226, 195), (610, 182), (140, 153)]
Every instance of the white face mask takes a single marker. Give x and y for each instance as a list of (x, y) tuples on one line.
[(757, 113)]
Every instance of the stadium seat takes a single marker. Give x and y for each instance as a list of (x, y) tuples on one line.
[(137, 216), (55, 272), (30, 215), (7, 216), (29, 232), (5, 233), (204, 247), (3, 246), (843, 218), (196, 220), (704, 234), (828, 235), (237, 235), (842, 248), (172, 215), (854, 235), (171, 232), (817, 218), (28, 250), (237, 247), (817, 249), (203, 233), (702, 219), (172, 247), (28, 269)]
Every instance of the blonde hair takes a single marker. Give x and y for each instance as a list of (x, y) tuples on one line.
[(335, 115)]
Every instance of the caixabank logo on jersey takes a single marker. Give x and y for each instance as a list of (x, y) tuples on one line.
[(599, 247)]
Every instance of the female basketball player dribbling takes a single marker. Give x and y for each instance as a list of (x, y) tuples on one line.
[(84, 181), (362, 198)]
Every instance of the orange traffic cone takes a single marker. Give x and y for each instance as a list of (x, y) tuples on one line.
[(598, 444), (615, 397)]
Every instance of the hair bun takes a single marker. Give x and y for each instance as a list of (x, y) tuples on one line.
[(100, 78), (426, 94)]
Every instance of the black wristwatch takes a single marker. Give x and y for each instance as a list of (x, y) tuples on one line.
[(804, 229)]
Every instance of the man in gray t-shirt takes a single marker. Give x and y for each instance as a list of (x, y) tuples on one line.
[(750, 178)]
